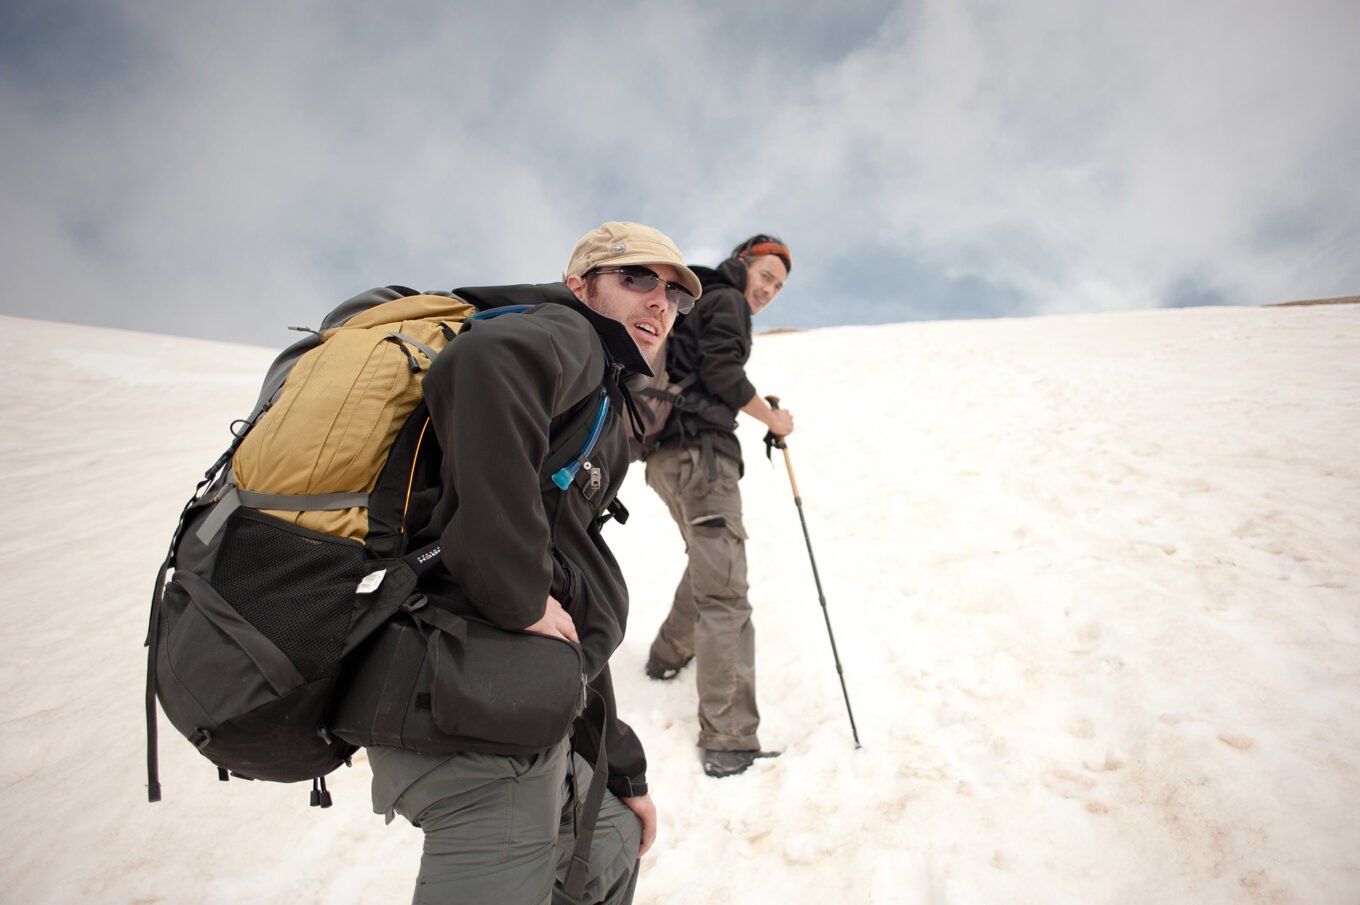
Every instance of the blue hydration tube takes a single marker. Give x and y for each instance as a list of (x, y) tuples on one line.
[(566, 473), (496, 312)]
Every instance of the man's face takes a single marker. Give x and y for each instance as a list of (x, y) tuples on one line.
[(648, 316), (765, 276)]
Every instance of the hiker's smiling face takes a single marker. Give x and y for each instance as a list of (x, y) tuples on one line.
[(648, 315), (765, 276)]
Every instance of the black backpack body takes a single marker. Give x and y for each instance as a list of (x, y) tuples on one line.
[(255, 612)]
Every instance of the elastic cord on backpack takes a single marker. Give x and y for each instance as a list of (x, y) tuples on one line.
[(410, 481)]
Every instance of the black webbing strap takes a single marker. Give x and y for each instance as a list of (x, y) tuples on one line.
[(635, 425), (585, 818), (233, 498), (674, 393), (615, 510), (772, 442), (153, 778), (706, 442), (153, 629)]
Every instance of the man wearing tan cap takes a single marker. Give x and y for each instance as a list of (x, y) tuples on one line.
[(694, 466), (523, 554)]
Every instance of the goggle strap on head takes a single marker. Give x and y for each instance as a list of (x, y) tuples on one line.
[(761, 249)]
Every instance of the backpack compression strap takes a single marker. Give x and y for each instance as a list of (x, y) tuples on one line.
[(234, 498), (675, 396)]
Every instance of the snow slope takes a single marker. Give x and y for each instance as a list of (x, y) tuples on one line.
[(1095, 582)]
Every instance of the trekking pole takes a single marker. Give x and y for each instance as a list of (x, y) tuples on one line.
[(772, 440)]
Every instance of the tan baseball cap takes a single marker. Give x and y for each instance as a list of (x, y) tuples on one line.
[(618, 242)]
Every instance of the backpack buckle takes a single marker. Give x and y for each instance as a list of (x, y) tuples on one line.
[(594, 479)]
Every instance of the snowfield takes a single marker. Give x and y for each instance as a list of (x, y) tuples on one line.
[(1095, 583)]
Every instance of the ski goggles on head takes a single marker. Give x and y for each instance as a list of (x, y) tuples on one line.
[(639, 279), (761, 249)]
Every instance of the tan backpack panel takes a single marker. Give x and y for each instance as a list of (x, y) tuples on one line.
[(341, 407)]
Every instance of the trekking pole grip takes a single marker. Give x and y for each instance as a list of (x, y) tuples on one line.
[(788, 462)]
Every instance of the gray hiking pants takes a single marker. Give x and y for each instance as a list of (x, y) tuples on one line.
[(496, 828), (710, 617)]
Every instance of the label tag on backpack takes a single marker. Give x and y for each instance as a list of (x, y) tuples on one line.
[(371, 581)]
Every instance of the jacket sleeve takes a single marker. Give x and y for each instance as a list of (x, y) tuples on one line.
[(725, 345), (492, 396)]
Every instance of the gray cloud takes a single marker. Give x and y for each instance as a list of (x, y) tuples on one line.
[(228, 170)]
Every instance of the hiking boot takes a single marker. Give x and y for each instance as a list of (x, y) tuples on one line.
[(729, 763), (658, 670)]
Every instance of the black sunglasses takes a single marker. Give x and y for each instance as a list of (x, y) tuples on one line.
[(640, 279)]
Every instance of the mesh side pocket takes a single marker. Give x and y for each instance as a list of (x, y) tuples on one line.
[(295, 587)]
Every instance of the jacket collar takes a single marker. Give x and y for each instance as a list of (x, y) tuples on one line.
[(731, 272), (613, 334)]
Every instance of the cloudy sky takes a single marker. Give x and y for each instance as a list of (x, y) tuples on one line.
[(227, 170)]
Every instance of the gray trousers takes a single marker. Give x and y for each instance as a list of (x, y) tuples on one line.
[(710, 617), (499, 830)]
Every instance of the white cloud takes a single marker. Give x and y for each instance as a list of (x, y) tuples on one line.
[(233, 168)]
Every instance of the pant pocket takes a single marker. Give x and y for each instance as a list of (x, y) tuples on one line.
[(717, 558)]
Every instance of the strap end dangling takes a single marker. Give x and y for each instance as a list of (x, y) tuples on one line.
[(325, 793)]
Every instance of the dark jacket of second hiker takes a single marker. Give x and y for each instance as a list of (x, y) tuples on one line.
[(713, 343)]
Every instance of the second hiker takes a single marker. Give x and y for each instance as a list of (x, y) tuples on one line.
[(694, 466)]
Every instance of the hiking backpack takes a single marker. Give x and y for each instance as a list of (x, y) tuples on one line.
[(292, 550)]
